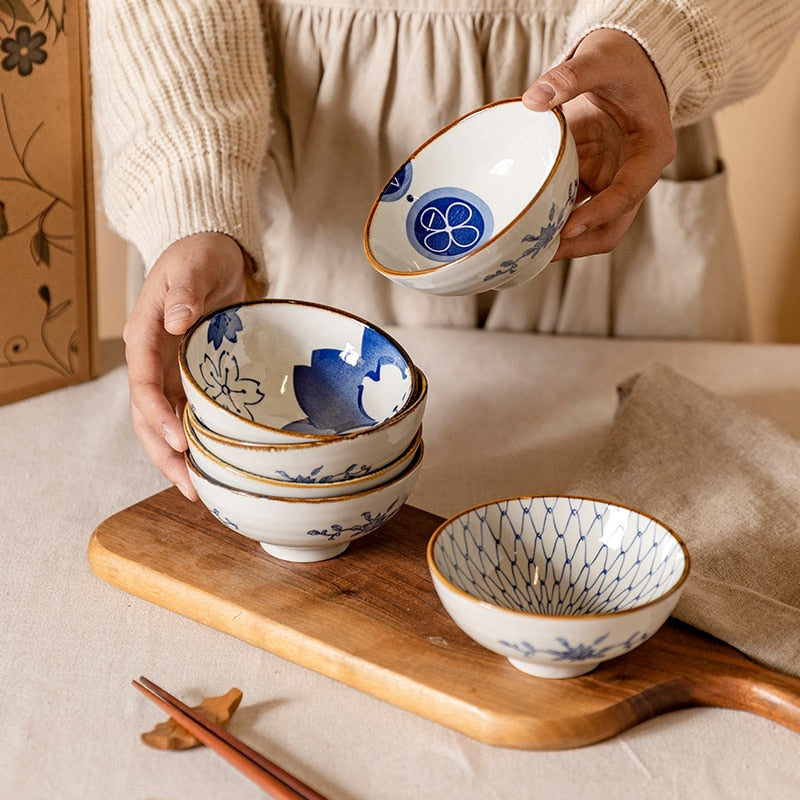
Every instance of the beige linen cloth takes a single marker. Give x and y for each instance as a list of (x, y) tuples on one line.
[(728, 483)]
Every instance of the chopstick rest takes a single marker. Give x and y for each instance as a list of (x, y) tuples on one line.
[(171, 735), (279, 783)]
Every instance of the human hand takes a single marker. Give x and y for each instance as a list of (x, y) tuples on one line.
[(617, 109), (193, 276)]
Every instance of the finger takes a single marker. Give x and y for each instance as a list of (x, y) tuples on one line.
[(565, 81), (196, 269), (152, 395), (634, 179), (554, 87), (600, 59), (182, 308), (602, 239), (170, 462), (149, 400), (161, 434)]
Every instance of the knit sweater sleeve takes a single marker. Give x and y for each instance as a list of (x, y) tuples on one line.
[(709, 53), (181, 107)]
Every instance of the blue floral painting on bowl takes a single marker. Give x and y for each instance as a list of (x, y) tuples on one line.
[(341, 390), (225, 324), (445, 224), (534, 243), (399, 184), (575, 652), (344, 390), (223, 380), (227, 386)]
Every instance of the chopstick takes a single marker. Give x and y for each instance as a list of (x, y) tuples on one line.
[(258, 768)]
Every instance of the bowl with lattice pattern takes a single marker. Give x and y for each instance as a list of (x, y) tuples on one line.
[(557, 584)]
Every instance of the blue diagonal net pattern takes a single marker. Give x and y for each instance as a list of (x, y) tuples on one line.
[(559, 556)]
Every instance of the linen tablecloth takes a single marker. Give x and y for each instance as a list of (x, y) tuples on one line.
[(508, 414)]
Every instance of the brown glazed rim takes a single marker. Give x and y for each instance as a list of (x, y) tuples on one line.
[(434, 568)]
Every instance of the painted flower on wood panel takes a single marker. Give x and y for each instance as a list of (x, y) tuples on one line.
[(23, 50)]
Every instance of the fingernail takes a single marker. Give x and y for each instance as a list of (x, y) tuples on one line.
[(573, 233), (170, 439), (540, 93), (178, 313), (184, 490)]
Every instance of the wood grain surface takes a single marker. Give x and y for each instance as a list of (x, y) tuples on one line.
[(370, 618)]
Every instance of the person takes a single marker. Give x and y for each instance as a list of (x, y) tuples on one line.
[(242, 145)]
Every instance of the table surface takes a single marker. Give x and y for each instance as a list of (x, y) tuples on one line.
[(507, 414)]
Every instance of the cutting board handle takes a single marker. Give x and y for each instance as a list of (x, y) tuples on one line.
[(757, 690)]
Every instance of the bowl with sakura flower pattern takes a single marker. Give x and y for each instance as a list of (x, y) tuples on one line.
[(285, 371), (478, 206), (557, 584)]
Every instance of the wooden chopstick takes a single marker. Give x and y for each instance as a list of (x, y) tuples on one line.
[(281, 784)]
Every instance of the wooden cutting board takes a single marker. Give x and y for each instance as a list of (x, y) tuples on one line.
[(371, 619)]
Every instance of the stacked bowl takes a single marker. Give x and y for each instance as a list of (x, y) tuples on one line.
[(304, 424)]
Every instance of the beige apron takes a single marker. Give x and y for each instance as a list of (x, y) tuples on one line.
[(355, 91)]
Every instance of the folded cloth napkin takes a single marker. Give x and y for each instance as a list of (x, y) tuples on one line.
[(728, 483)]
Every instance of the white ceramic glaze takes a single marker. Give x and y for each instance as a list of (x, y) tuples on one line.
[(305, 530), (237, 478), (324, 460), (557, 584), (286, 371), (478, 206)]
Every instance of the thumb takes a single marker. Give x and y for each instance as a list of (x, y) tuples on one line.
[(563, 82), (189, 270), (182, 308)]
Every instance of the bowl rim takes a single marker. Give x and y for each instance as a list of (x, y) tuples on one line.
[(291, 436), (458, 591), (242, 444), (388, 271), (408, 453), (413, 466)]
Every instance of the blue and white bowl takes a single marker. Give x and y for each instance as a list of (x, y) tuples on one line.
[(557, 584), (308, 529), (282, 371), (352, 480), (478, 206), (328, 460)]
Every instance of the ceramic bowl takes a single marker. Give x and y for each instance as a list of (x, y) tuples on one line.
[(352, 482), (557, 584), (325, 460), (306, 530), (285, 371), (479, 205)]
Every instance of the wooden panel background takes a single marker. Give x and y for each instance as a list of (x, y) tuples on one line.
[(46, 199)]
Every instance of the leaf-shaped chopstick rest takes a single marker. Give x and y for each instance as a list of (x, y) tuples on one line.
[(170, 735)]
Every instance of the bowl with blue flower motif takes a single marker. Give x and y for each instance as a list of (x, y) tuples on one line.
[(349, 482), (557, 584), (478, 206), (286, 371), (305, 529), (323, 461)]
